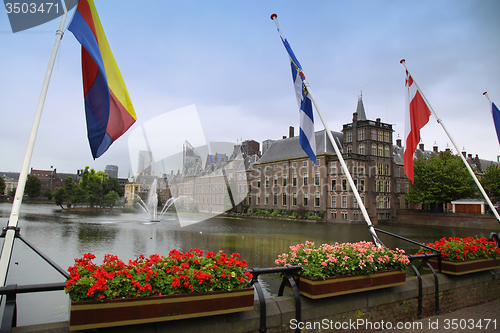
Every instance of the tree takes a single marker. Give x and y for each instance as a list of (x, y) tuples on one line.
[(2, 185), (59, 196), (491, 182), (111, 184), (111, 199), (33, 187), (91, 185), (440, 179), (48, 193)]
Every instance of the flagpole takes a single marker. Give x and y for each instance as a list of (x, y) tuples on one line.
[(454, 144), (376, 240), (18, 198)]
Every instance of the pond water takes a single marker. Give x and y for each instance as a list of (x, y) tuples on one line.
[(63, 236)]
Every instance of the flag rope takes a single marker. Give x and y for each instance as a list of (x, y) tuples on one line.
[(440, 122), (376, 240), (18, 198)]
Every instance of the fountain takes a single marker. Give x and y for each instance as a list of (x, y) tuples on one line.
[(150, 207)]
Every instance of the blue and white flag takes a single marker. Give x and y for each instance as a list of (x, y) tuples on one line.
[(306, 135), (496, 118)]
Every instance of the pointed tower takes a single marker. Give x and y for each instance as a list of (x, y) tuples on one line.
[(360, 110)]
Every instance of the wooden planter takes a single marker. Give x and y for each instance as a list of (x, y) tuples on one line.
[(340, 285), (466, 266), (128, 311)]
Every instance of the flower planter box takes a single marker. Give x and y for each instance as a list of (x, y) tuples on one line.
[(140, 310), (340, 285), (466, 266)]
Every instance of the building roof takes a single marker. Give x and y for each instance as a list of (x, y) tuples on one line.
[(290, 147), (360, 109)]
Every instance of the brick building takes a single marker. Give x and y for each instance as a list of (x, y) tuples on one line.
[(285, 178)]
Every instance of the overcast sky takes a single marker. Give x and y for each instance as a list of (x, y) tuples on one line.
[(226, 58)]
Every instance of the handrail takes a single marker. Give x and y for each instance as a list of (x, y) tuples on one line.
[(290, 272), (425, 260)]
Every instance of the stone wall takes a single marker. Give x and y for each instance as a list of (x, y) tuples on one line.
[(395, 304), (456, 220)]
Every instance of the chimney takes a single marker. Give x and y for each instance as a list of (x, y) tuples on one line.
[(378, 120), (398, 143), (284, 136), (435, 148), (498, 158), (354, 117), (464, 154), (421, 147), (291, 132), (469, 156)]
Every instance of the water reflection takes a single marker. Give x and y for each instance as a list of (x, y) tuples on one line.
[(64, 236)]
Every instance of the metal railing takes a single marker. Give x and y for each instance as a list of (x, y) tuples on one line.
[(9, 319)]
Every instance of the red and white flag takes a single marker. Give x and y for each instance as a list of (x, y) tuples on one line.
[(417, 115)]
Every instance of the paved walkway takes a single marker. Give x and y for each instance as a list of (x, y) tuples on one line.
[(479, 318)]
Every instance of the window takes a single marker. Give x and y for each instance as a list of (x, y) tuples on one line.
[(354, 202), (284, 180), (397, 171), (267, 168), (348, 137), (294, 199), (374, 149), (355, 167), (380, 202), (380, 186), (380, 136), (266, 202), (284, 166), (387, 170), (387, 137), (305, 164), (275, 168), (294, 179), (374, 134), (334, 185), (387, 152), (344, 201), (306, 180), (258, 199), (334, 201), (361, 169), (305, 196), (317, 162), (275, 199), (388, 186), (349, 149), (387, 202), (316, 179), (344, 184), (334, 168), (361, 187), (361, 149), (380, 150), (294, 165), (284, 199), (267, 181), (316, 199), (275, 183), (344, 216), (380, 169), (361, 135)]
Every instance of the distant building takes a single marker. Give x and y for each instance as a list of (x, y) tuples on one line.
[(266, 144), (111, 171), (10, 184), (250, 147), (145, 162)]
